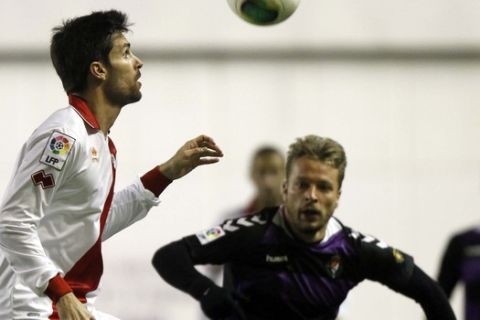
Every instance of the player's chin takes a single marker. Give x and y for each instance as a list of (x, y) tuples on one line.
[(135, 96), (311, 226)]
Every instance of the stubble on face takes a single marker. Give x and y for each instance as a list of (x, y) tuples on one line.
[(311, 195), (122, 86)]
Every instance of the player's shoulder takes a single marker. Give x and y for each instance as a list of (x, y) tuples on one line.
[(58, 137), (243, 228), (465, 237), (252, 221), (349, 232), (468, 233), (363, 240), (65, 121)]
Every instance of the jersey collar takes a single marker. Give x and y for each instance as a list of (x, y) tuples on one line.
[(81, 106), (333, 227)]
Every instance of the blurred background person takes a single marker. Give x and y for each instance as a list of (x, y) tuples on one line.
[(267, 172), (461, 263)]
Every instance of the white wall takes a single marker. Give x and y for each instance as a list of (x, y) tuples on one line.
[(193, 23), (410, 127)]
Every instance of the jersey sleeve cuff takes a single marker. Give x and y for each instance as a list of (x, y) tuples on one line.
[(155, 181), (57, 288)]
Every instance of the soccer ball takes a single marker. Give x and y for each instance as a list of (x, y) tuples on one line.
[(263, 12)]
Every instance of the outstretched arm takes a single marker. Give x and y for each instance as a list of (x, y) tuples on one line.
[(429, 295), (175, 265), (133, 202), (196, 152), (397, 270)]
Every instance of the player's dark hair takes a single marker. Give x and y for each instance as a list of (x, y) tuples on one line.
[(318, 148), (80, 41)]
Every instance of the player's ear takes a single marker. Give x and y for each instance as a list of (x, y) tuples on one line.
[(98, 70)]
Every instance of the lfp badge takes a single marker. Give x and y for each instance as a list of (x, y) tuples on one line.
[(210, 235), (60, 145), (57, 150)]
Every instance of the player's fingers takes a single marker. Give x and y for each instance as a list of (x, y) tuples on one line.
[(203, 161), (200, 152), (206, 141)]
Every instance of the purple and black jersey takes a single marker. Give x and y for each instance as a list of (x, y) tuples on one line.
[(290, 279), (461, 262)]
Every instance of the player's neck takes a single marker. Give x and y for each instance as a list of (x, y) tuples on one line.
[(105, 112), (307, 237), (312, 237)]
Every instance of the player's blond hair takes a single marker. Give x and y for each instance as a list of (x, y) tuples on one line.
[(318, 148)]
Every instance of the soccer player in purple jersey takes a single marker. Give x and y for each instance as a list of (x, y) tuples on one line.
[(295, 261), (461, 263)]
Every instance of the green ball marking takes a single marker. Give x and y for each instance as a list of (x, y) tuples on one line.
[(258, 12)]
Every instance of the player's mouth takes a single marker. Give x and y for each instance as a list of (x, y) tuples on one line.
[(311, 213)]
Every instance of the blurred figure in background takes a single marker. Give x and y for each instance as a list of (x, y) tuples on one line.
[(461, 263), (267, 172)]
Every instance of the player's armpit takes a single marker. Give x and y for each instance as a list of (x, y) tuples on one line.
[(429, 295)]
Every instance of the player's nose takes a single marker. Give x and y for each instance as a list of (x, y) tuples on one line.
[(311, 193), (139, 63)]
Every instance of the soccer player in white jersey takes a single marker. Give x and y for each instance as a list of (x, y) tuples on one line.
[(60, 204)]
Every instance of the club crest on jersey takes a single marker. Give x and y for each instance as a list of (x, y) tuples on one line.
[(94, 153), (399, 258), (57, 150), (334, 265), (210, 235)]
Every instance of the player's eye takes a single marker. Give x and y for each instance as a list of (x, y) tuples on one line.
[(324, 186), (303, 185)]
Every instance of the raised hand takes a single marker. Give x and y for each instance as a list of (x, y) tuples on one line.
[(196, 152)]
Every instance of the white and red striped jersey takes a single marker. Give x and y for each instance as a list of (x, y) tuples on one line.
[(58, 208)]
